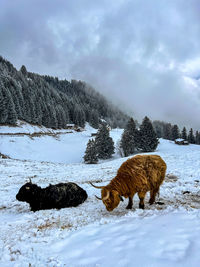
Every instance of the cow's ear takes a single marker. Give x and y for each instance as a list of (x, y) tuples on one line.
[(121, 198)]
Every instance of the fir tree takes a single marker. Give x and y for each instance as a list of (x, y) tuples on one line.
[(147, 139), (53, 122), (127, 143), (167, 131), (3, 108), (90, 156), (191, 138), (197, 138), (158, 127), (104, 143), (23, 70), (79, 116), (184, 133), (175, 132), (12, 115), (158, 131), (94, 119)]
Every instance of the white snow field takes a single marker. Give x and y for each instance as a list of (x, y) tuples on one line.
[(89, 235)]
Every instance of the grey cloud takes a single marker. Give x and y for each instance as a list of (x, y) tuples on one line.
[(132, 51)]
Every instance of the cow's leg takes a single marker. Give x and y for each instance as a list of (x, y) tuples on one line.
[(130, 203), (153, 193), (141, 197)]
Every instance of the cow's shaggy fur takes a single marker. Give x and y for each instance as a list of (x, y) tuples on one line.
[(57, 196), (139, 174)]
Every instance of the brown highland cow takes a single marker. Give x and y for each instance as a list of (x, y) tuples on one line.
[(139, 174)]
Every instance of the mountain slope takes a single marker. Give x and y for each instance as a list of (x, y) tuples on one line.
[(51, 102)]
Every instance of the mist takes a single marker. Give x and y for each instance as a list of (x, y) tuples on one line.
[(143, 55)]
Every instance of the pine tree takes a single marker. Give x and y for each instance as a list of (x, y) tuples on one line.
[(53, 122), (184, 133), (158, 127), (3, 107), (12, 115), (191, 138), (23, 70), (90, 156), (197, 138), (147, 139), (45, 115), (104, 143), (167, 131), (94, 119), (127, 143), (175, 132), (158, 131), (79, 116)]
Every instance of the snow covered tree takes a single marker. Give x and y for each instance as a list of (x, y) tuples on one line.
[(94, 119), (158, 127), (3, 108), (53, 122), (175, 132), (167, 131), (127, 143), (79, 116), (23, 70), (10, 107), (90, 156), (104, 143), (197, 138), (147, 139), (191, 138), (184, 133)]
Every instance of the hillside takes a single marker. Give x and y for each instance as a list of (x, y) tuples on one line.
[(48, 101), (88, 235), (31, 142)]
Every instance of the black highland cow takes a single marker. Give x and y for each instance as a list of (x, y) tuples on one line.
[(63, 195)]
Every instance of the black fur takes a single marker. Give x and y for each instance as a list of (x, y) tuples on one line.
[(57, 196)]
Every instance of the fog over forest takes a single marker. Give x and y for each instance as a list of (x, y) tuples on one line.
[(144, 55)]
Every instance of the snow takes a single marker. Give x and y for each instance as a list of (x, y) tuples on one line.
[(88, 235), (179, 139), (53, 146)]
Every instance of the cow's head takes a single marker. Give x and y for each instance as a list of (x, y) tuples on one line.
[(27, 192), (110, 198)]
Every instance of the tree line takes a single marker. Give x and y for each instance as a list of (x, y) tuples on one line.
[(172, 132), (48, 101), (135, 138)]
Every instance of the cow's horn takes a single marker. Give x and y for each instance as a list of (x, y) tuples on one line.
[(98, 198), (107, 196), (99, 187), (30, 181)]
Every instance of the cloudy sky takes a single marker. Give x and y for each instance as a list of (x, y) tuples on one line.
[(143, 54)]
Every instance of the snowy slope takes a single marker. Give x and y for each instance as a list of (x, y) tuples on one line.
[(88, 235), (64, 146)]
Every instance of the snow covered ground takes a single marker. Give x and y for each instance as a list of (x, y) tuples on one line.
[(88, 235), (64, 146)]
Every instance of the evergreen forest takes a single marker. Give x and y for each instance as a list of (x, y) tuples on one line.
[(48, 101)]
